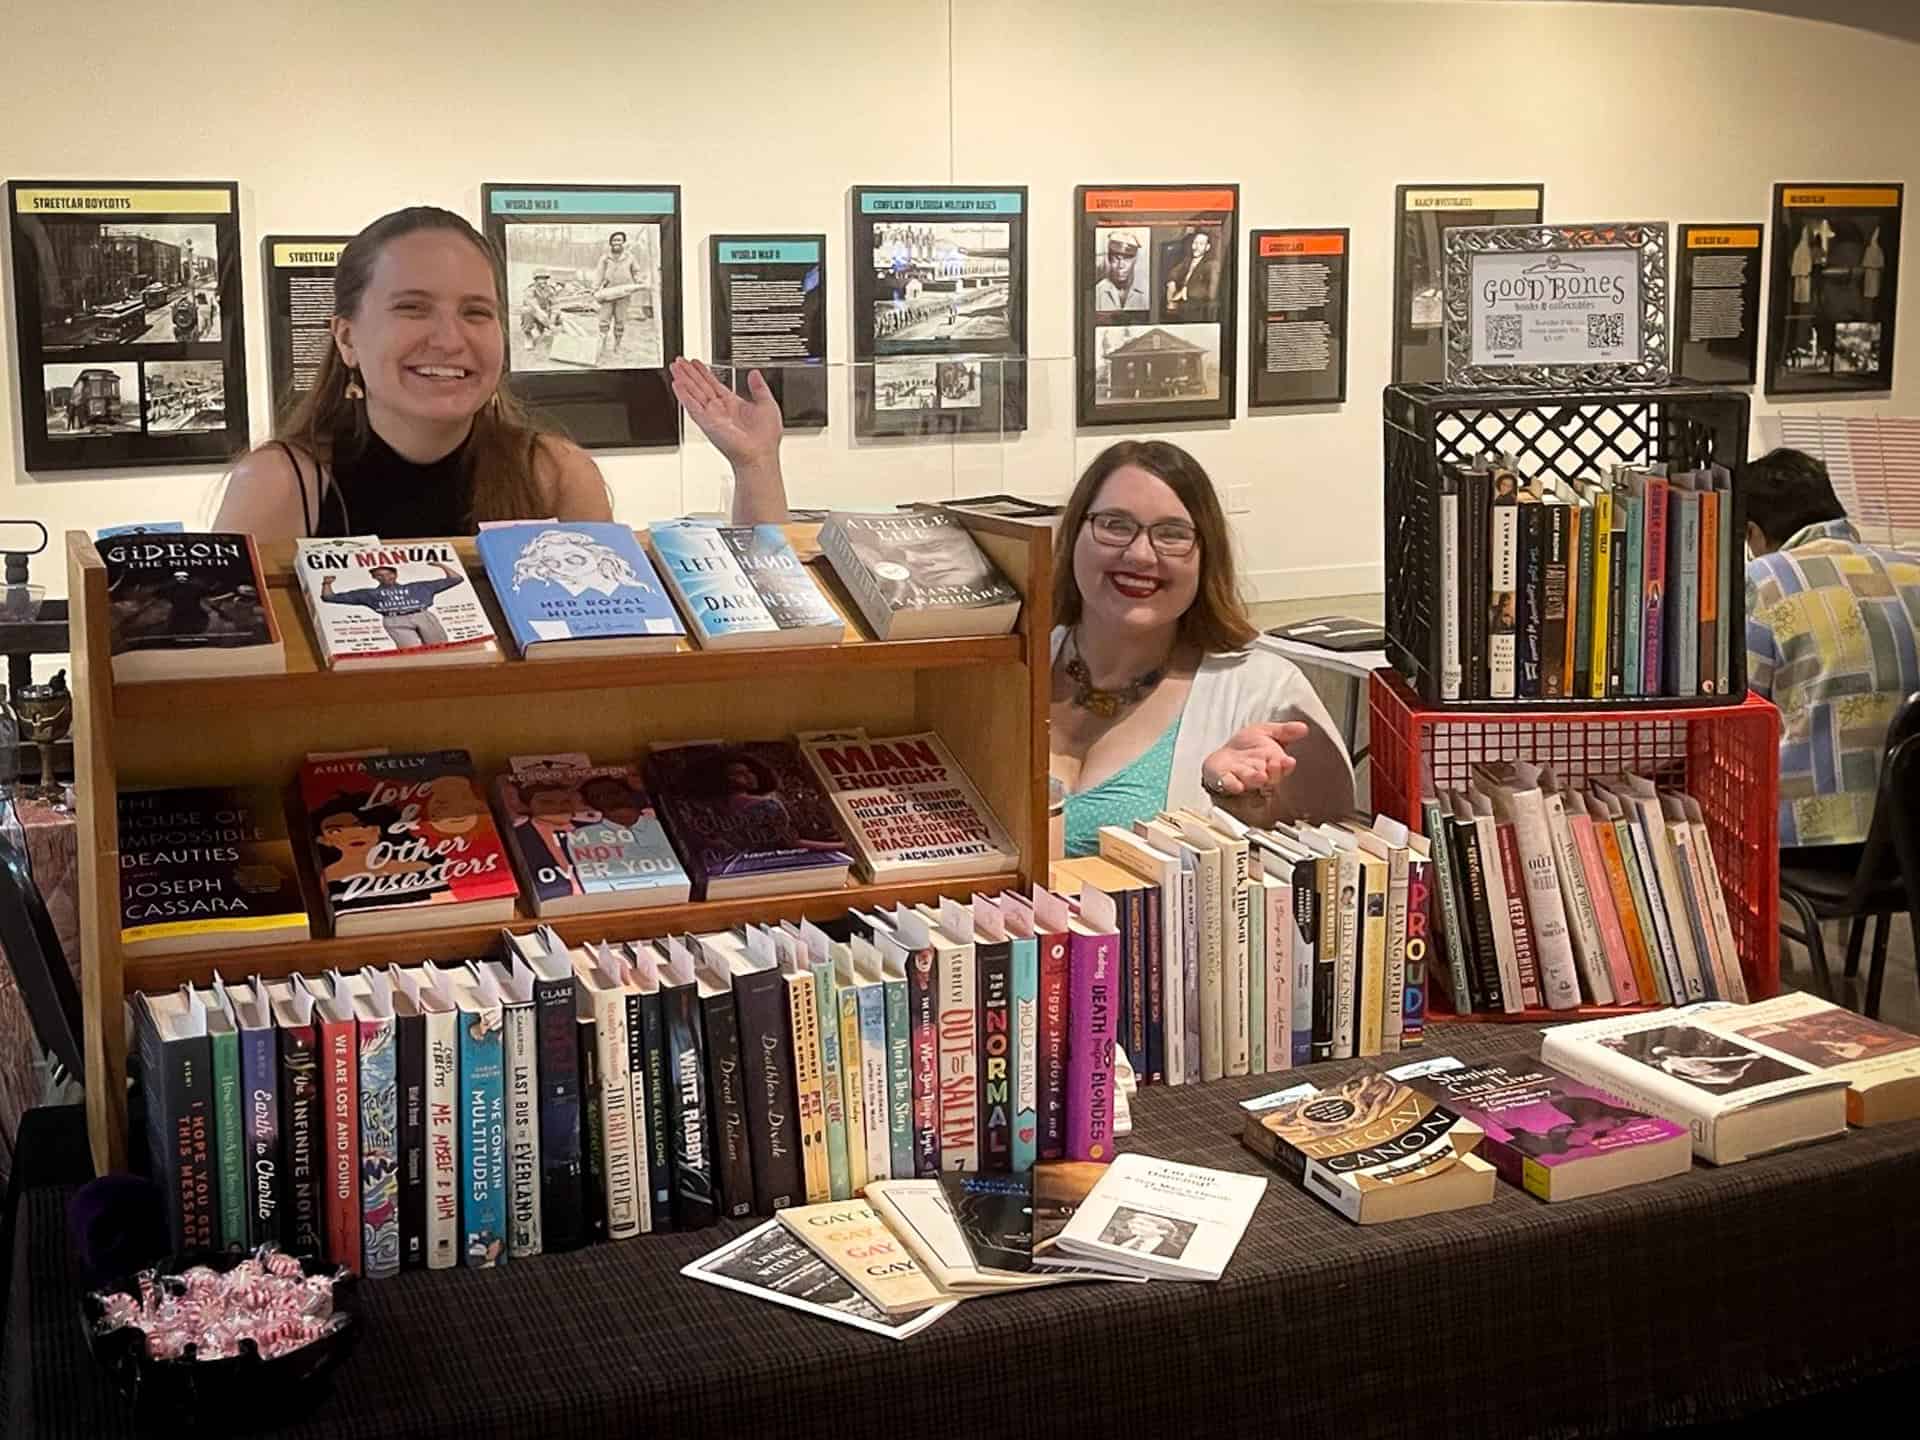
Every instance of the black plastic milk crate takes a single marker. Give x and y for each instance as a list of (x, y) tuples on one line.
[(1568, 433)]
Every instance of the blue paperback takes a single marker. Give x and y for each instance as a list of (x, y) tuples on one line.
[(584, 588)]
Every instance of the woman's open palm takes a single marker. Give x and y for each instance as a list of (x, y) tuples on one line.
[(745, 429)]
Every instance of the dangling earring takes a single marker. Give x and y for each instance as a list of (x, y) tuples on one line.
[(354, 392)]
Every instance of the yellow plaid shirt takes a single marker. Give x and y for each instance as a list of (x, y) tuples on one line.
[(1830, 640)]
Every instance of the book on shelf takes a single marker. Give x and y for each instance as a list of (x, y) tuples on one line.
[(1738, 1099), (1093, 985), (303, 1224), (910, 809), (1144, 860), (520, 1092), (585, 837), (259, 1054), (186, 606), (206, 868), (771, 1263), (747, 819), (425, 992), (1374, 1149), (599, 998), (1017, 916), (807, 1047), (743, 586), (378, 1116), (724, 1051), (1554, 1136), (583, 588), (1513, 787), (639, 967), (858, 1244), (176, 1068), (336, 1037), (1880, 1064), (403, 842), (993, 960), (918, 575), (542, 968), (401, 602), (779, 1119), (689, 1114), (410, 1113), (1163, 1219)]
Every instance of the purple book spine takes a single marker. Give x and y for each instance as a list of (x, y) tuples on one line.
[(1093, 1014), (260, 1078)]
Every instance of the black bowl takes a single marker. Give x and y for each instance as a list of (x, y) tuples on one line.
[(239, 1392)]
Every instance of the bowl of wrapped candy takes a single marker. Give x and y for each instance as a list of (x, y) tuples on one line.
[(232, 1336)]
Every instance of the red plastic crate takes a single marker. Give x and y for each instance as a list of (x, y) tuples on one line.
[(1726, 757)]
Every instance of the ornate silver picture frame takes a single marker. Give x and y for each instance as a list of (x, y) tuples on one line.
[(1557, 306)]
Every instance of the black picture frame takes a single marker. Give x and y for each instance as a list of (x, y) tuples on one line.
[(1189, 321), (1715, 339), (1834, 287), (1422, 215), (297, 280), (788, 340), (1288, 302), (941, 245), (132, 342), (600, 405)]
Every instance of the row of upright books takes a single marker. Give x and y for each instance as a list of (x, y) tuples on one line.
[(403, 841), (186, 605), (1602, 893), (1601, 588), (441, 1114), (1245, 951)]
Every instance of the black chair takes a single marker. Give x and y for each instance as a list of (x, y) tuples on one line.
[(1857, 885), (1900, 790)]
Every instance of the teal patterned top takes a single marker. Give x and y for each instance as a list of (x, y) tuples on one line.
[(1138, 791)]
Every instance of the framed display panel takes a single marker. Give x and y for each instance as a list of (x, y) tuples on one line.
[(299, 289), (1297, 317), (129, 321), (1422, 216), (1836, 277), (593, 305), (769, 312), (1716, 303), (939, 308), (1557, 306), (1155, 302)]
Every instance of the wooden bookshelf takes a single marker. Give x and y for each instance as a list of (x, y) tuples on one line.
[(987, 698)]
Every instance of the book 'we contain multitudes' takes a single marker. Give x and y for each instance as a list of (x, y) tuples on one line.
[(206, 867), (743, 586), (405, 602), (910, 808), (404, 841), (578, 590), (184, 606), (918, 575)]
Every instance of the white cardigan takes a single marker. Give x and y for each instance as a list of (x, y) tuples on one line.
[(1239, 688)]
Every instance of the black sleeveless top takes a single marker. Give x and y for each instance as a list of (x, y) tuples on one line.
[(378, 491)]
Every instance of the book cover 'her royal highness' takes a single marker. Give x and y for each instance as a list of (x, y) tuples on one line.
[(588, 581)]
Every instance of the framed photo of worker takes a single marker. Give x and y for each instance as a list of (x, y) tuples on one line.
[(1155, 303), (593, 305), (939, 298), (769, 301), (1297, 318), (299, 294), (129, 325), (1835, 280), (1422, 216)]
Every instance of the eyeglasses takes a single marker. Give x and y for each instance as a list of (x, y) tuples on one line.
[(1171, 539)]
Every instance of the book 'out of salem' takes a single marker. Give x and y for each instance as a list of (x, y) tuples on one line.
[(578, 589), (404, 602), (182, 606)]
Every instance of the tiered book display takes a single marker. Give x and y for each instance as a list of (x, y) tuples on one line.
[(983, 696), (1432, 731)]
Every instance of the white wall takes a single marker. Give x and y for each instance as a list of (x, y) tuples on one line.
[(331, 113)]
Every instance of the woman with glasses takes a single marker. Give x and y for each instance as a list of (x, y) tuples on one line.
[(1164, 695)]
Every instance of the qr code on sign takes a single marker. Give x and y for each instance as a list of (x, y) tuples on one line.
[(1606, 332), (1503, 332)]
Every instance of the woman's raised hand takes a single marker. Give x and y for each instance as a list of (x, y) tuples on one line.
[(1254, 759), (746, 430)]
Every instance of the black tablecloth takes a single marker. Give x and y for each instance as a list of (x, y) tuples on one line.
[(1702, 1298)]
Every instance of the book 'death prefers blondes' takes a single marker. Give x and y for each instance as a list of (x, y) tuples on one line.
[(1374, 1149), (402, 602), (404, 841), (918, 575), (910, 808)]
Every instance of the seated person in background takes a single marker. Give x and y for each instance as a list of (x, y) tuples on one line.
[(1831, 640), (1163, 692)]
